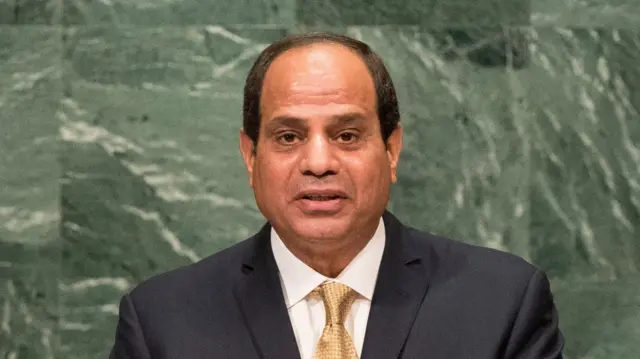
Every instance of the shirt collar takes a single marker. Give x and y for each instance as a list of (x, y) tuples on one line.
[(298, 279)]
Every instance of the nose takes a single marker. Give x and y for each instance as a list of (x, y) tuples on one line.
[(319, 158)]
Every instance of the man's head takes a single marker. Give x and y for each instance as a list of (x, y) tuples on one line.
[(320, 139)]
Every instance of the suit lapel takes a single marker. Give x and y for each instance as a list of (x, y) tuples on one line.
[(402, 282), (260, 297)]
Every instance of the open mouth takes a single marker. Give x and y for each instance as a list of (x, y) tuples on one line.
[(321, 198), (314, 204)]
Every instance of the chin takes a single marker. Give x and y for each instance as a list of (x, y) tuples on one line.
[(320, 227)]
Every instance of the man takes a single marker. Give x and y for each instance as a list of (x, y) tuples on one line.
[(332, 274)]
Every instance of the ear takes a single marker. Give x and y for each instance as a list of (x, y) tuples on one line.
[(394, 147), (248, 154)]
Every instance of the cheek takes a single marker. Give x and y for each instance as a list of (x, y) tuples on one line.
[(371, 177), (272, 178)]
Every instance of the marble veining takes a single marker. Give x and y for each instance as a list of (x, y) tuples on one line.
[(119, 160)]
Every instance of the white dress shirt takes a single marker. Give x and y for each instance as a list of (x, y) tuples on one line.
[(306, 312)]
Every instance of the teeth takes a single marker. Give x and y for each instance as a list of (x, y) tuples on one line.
[(321, 198)]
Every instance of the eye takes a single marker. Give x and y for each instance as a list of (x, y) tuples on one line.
[(348, 137), (287, 138)]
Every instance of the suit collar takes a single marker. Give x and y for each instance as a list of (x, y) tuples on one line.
[(402, 282), (261, 301)]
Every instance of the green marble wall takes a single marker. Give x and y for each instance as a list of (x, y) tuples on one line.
[(119, 157)]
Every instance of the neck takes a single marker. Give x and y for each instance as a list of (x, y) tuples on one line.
[(329, 256)]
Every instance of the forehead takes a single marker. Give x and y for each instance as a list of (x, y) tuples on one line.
[(317, 80)]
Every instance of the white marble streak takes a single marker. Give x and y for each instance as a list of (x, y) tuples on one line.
[(246, 55), (75, 326), (82, 132), (6, 317), (167, 235), (24, 219), (119, 283)]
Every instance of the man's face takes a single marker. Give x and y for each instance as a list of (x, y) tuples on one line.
[(322, 171)]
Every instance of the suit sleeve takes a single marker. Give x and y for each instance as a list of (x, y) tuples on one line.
[(129, 340), (535, 333)]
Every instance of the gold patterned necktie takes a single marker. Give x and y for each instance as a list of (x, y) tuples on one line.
[(335, 342)]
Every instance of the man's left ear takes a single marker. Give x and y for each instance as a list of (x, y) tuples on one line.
[(394, 147)]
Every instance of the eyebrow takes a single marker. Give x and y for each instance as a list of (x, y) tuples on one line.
[(350, 118)]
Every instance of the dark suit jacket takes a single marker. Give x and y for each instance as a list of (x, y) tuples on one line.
[(434, 298)]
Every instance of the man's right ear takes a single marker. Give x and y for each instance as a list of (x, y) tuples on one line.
[(248, 151)]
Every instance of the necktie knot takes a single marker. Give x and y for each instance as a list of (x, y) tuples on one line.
[(337, 299)]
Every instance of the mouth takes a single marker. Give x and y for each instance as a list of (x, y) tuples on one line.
[(322, 194), (321, 197), (322, 201)]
